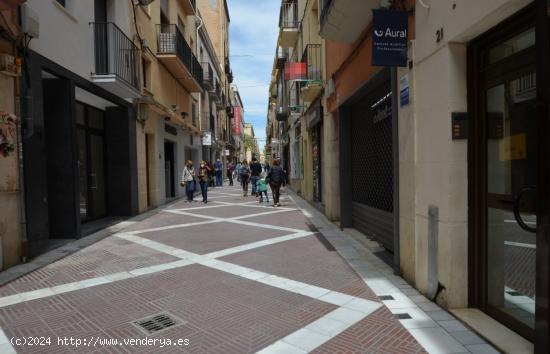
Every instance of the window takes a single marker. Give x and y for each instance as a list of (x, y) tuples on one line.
[(194, 113), (61, 2)]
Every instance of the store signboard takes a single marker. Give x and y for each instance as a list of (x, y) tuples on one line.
[(237, 120), (389, 38), (207, 139)]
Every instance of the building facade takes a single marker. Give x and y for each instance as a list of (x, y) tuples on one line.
[(168, 134), (104, 129), (295, 129), (215, 18), (442, 161)]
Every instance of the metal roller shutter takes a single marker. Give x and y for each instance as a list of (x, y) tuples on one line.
[(372, 166)]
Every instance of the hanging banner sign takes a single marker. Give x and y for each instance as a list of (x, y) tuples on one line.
[(389, 38), (207, 139)]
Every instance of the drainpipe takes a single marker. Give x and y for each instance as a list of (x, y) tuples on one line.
[(200, 93)]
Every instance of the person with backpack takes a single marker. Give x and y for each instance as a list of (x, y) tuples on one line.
[(276, 178), (245, 177), (203, 180), (255, 172), (188, 180)]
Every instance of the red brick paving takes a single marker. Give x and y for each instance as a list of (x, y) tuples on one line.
[(295, 220), (163, 219), (223, 313), (208, 238), (376, 334), (306, 260), (108, 256)]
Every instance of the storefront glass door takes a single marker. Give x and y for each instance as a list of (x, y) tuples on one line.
[(91, 162), (504, 165), (511, 191)]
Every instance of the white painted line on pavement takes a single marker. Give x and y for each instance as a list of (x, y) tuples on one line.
[(170, 227), (87, 283), (320, 331), (253, 245)]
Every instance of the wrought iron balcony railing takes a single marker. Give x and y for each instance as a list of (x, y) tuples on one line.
[(312, 58), (115, 54), (171, 41), (208, 76), (289, 15)]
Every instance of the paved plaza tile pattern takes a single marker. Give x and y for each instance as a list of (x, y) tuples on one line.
[(233, 275)]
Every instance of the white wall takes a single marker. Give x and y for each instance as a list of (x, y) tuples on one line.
[(433, 167), (66, 34)]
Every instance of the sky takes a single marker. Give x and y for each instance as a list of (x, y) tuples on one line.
[(253, 36)]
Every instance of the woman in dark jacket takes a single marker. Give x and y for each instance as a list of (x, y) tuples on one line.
[(276, 178)]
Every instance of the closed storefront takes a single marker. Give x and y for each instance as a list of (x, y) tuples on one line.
[(369, 125)]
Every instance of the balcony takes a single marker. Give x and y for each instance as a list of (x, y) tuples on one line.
[(189, 6), (289, 24), (174, 53), (216, 94), (116, 61), (344, 20), (208, 81), (313, 85)]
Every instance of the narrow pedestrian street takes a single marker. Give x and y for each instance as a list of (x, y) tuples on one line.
[(230, 276)]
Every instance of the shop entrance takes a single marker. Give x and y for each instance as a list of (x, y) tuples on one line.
[(90, 143), (169, 169), (504, 163)]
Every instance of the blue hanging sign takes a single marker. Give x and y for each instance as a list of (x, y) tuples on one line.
[(389, 38)]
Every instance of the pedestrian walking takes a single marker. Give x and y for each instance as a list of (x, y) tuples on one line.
[(203, 180), (262, 189), (188, 180), (211, 175), (245, 177), (255, 172), (230, 172), (218, 169), (276, 178), (238, 169)]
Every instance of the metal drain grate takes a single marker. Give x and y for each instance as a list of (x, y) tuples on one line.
[(403, 316), (386, 297), (157, 323)]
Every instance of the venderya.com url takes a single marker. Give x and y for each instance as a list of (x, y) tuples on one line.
[(98, 342)]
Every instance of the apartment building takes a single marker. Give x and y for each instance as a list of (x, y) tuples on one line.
[(169, 132), (110, 109), (215, 18), (442, 161), (295, 124), (81, 72)]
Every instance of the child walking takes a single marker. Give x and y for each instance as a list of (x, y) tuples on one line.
[(261, 185)]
